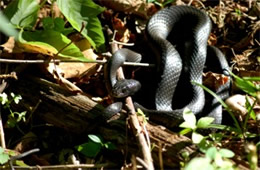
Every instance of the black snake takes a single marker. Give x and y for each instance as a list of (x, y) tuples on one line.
[(181, 32)]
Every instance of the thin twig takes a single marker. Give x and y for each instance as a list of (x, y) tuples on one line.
[(11, 75), (2, 134), (51, 167), (134, 122), (13, 158), (2, 60)]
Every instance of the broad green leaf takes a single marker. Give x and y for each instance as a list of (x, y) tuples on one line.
[(211, 153), (56, 24), (226, 153), (89, 149), (22, 13), (186, 125), (218, 160), (84, 11), (49, 42), (95, 138), (4, 158), (95, 32), (190, 118), (6, 27), (196, 137), (59, 24), (48, 23), (204, 122), (199, 164), (1, 150)]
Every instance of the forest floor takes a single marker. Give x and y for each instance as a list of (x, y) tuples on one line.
[(57, 106)]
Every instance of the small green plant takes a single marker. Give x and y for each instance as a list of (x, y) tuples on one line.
[(94, 145), (13, 117), (218, 158), (191, 124), (141, 113), (251, 89), (238, 12), (215, 159), (4, 157)]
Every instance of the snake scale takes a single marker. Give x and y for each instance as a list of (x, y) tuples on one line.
[(181, 33)]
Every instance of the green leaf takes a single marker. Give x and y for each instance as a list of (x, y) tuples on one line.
[(16, 98), (89, 149), (196, 137), (22, 13), (226, 153), (184, 131), (190, 118), (239, 130), (200, 164), (21, 116), (204, 122), (6, 27), (59, 24), (1, 150), (56, 24), (95, 32), (250, 109), (186, 125), (211, 153), (4, 158), (3, 98), (49, 42), (95, 138), (204, 145), (84, 11), (245, 85), (48, 23)]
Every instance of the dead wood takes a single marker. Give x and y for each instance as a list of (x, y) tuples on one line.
[(77, 113)]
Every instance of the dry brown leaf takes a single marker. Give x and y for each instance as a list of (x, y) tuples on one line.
[(11, 46), (123, 33), (214, 80), (137, 7), (64, 71), (79, 70)]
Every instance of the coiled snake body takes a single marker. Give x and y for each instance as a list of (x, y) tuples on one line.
[(181, 32)]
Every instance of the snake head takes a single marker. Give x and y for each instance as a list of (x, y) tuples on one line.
[(125, 87)]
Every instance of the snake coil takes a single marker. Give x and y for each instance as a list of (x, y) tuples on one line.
[(181, 32)]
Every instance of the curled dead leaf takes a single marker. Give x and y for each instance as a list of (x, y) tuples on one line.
[(123, 33), (214, 80)]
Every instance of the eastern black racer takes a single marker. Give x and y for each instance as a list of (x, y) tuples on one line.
[(181, 32)]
